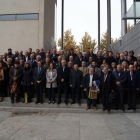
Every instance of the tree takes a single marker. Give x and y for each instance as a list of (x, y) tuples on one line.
[(129, 27), (103, 42), (87, 42), (69, 41)]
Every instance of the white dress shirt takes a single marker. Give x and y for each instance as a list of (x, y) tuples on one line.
[(90, 80)]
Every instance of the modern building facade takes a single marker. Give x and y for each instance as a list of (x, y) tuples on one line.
[(27, 24)]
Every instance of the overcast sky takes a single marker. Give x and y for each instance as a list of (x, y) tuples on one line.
[(81, 16)]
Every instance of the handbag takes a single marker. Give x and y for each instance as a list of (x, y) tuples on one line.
[(92, 93), (14, 88), (112, 96)]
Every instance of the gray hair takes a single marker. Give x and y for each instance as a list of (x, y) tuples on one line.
[(63, 61), (119, 65), (38, 56), (9, 59), (106, 68)]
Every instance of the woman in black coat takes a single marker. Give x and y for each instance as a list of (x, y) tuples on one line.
[(27, 80)]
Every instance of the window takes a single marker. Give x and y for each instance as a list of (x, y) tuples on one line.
[(19, 17)]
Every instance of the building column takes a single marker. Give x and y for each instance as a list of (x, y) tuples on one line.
[(62, 26), (108, 25), (123, 22), (98, 25)]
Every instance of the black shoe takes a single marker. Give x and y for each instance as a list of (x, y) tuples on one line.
[(134, 109), (104, 109), (12, 102), (41, 102), (72, 102), (116, 108), (58, 103), (129, 108), (122, 109), (79, 103), (108, 109), (66, 103), (53, 102), (36, 102)]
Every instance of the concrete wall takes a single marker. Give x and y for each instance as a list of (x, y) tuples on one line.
[(131, 41), (21, 34), (49, 21)]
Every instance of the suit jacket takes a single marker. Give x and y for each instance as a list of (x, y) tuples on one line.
[(94, 56), (87, 79), (96, 70), (63, 75), (18, 75), (110, 60), (39, 77), (43, 55), (30, 61), (73, 79), (57, 65), (54, 76), (122, 79), (54, 58), (134, 84), (27, 77), (109, 77), (77, 61), (74, 55), (25, 58), (85, 71)]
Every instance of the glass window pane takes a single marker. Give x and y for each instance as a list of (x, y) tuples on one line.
[(7, 17), (27, 16)]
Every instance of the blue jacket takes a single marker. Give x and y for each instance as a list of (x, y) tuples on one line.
[(122, 79)]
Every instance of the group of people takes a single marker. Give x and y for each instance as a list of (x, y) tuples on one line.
[(71, 73)]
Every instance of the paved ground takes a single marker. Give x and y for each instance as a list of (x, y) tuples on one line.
[(69, 126)]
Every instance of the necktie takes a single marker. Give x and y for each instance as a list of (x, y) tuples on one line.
[(131, 75), (104, 77), (31, 61), (63, 69), (38, 70), (119, 74)]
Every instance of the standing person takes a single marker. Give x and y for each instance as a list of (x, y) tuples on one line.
[(70, 66), (136, 67), (105, 88), (54, 56), (71, 54), (88, 82), (15, 75), (3, 63), (117, 57), (120, 61), (47, 64), (99, 59), (31, 61), (63, 81), (64, 56), (51, 83), (78, 59), (113, 66), (42, 54), (2, 80), (89, 62), (26, 56), (39, 77), (110, 58), (119, 85), (76, 83), (133, 58), (124, 66), (29, 51), (11, 55), (27, 80), (125, 55), (58, 63), (91, 54), (129, 60), (133, 86), (84, 69)]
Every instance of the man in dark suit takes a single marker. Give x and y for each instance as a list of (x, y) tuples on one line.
[(78, 59), (132, 87), (58, 63), (105, 87), (54, 56), (119, 85), (39, 77), (76, 83), (31, 61), (91, 54), (15, 74), (71, 54), (133, 58), (110, 58), (63, 74), (42, 54), (89, 61), (88, 82), (26, 56)]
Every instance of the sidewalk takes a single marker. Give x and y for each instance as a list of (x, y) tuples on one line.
[(69, 126)]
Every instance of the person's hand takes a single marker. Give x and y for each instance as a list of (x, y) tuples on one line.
[(38, 82), (70, 85), (62, 80), (85, 89), (137, 89), (50, 81), (112, 90), (31, 83), (81, 86), (21, 83), (118, 83), (15, 79)]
